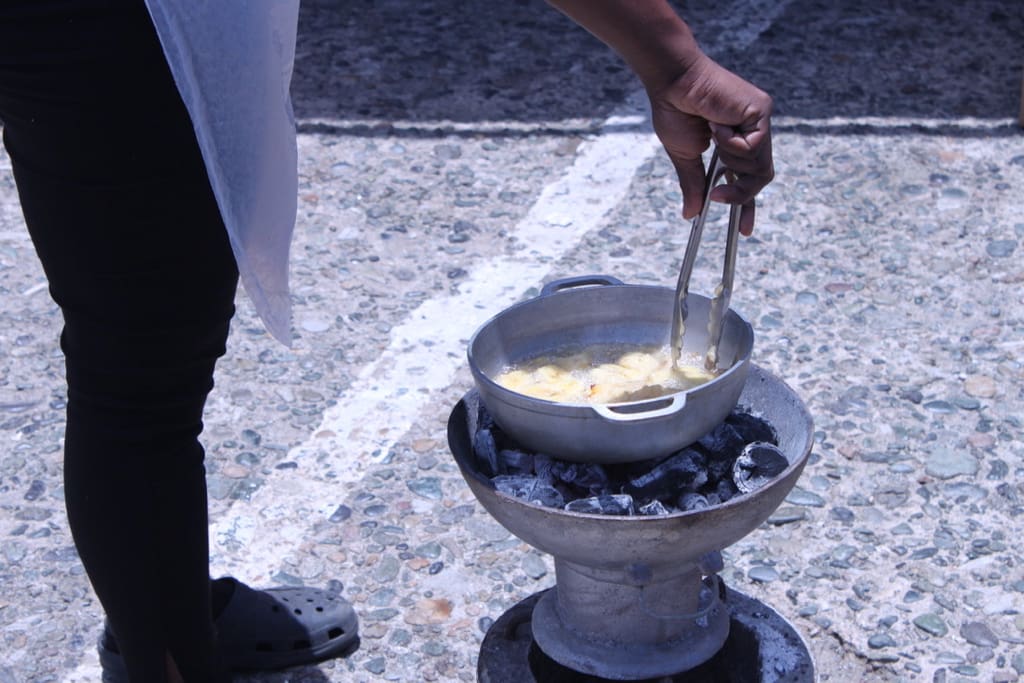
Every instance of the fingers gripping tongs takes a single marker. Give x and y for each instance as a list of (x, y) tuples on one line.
[(722, 294)]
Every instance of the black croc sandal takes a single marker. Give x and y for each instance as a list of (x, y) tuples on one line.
[(281, 627), (111, 662), (264, 630)]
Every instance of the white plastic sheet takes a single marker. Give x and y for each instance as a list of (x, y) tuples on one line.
[(232, 62)]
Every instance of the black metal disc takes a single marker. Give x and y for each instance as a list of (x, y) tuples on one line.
[(762, 648)]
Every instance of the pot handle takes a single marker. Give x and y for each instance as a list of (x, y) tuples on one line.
[(578, 281), (630, 412)]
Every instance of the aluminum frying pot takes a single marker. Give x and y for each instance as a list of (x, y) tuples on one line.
[(580, 312)]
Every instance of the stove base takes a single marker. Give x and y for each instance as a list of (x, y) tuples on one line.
[(762, 648)]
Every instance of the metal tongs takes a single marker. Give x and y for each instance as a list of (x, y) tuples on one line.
[(722, 294)]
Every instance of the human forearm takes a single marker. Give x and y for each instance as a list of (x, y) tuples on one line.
[(648, 34), (693, 99)]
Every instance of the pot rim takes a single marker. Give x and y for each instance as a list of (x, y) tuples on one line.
[(542, 405)]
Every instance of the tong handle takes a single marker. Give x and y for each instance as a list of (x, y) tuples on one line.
[(723, 293), (715, 171)]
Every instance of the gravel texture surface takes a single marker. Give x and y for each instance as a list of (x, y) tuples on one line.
[(456, 156)]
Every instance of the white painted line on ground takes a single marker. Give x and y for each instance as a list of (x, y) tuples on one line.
[(389, 395), (427, 350), (380, 407), (446, 127), (896, 123)]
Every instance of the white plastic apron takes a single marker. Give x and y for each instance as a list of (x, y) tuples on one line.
[(232, 62)]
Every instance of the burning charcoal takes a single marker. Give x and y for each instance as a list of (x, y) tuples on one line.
[(758, 464), (624, 471), (684, 471), (483, 417), (719, 468), (722, 442), (543, 467), (588, 476), (518, 485), (594, 479), (486, 451), (618, 504), (753, 428), (547, 496), (692, 501), (476, 413), (724, 490), (723, 445), (486, 421), (514, 461), (655, 507)]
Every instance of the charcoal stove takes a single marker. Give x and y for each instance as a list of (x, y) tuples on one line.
[(638, 597)]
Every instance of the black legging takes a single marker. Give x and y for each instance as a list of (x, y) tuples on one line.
[(119, 208)]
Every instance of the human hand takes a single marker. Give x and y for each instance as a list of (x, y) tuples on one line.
[(709, 102), (693, 99)]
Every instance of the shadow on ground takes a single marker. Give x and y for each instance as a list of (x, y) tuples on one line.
[(521, 61)]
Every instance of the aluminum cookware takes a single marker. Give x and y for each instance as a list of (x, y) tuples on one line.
[(575, 313)]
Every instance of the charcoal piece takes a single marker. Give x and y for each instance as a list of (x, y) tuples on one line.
[(655, 507), (486, 450), (543, 467), (757, 465), (483, 417), (720, 468), (476, 412), (724, 490), (617, 504), (692, 501), (724, 442), (684, 471), (620, 473), (752, 428), (515, 461), (547, 496), (588, 476), (518, 485)]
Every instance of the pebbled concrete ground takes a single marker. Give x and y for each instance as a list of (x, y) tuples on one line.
[(456, 156)]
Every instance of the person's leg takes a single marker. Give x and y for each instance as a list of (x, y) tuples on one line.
[(118, 205)]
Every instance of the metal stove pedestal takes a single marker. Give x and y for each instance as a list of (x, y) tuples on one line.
[(762, 647)]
